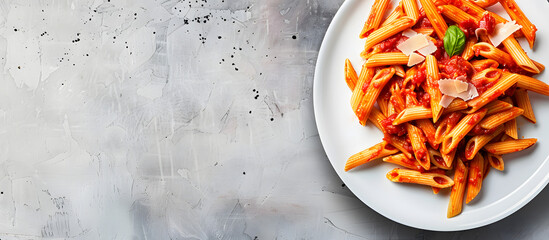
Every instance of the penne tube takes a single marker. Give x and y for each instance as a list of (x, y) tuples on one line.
[(486, 166), (383, 103), (438, 171), (418, 145), (540, 66), (484, 3), (458, 190), (449, 158), (425, 31), (399, 71), (476, 175), (437, 159), (398, 102), (432, 82), (377, 151), (412, 176), (456, 105), (401, 144), (413, 113), (401, 160), (365, 77), (486, 76), (517, 53), (476, 143), (446, 125), (397, 13), (469, 52), (372, 92), (480, 65), (487, 50), (477, 11), (497, 106), (384, 59), (516, 14), (428, 130), (455, 14), (350, 75), (411, 9), (434, 17), (509, 146), (390, 109), (511, 128), (376, 14), (452, 139), (505, 82), (532, 84), (496, 161), (523, 101), (376, 117), (387, 31), (497, 119), (370, 52)]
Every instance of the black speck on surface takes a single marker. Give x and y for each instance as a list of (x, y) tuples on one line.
[(250, 112), (272, 119), (243, 173), (218, 37), (256, 96), (294, 37), (343, 185), (236, 69)]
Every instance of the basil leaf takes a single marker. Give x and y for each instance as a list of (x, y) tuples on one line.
[(454, 40)]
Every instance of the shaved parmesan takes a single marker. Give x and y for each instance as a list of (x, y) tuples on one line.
[(409, 33), (415, 59), (457, 89), (429, 49), (445, 101), (412, 44), (502, 31)]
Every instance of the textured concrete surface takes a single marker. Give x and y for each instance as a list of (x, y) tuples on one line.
[(166, 119)]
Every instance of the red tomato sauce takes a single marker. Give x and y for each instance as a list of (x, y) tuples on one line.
[(468, 27), (390, 44), (424, 99), (387, 124), (456, 66), (487, 22)]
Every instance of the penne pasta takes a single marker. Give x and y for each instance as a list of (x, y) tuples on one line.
[(377, 151), (496, 161), (399, 71), (418, 145), (438, 171), (517, 53), (350, 75), (401, 160), (509, 146), (372, 92), (455, 14), (384, 59), (425, 31), (488, 51), (476, 143), (516, 14), (476, 175), (412, 176), (411, 9), (469, 52), (484, 3), (451, 140), (400, 144), (480, 65), (387, 31), (523, 102), (505, 82), (434, 17), (376, 117), (432, 77), (511, 128), (446, 125), (497, 119), (413, 113), (497, 106), (428, 130), (396, 13), (457, 105), (532, 84), (365, 77), (376, 14), (437, 159), (456, 195)]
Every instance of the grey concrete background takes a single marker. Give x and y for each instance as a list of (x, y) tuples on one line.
[(166, 119)]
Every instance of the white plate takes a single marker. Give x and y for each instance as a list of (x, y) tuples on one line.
[(526, 173)]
